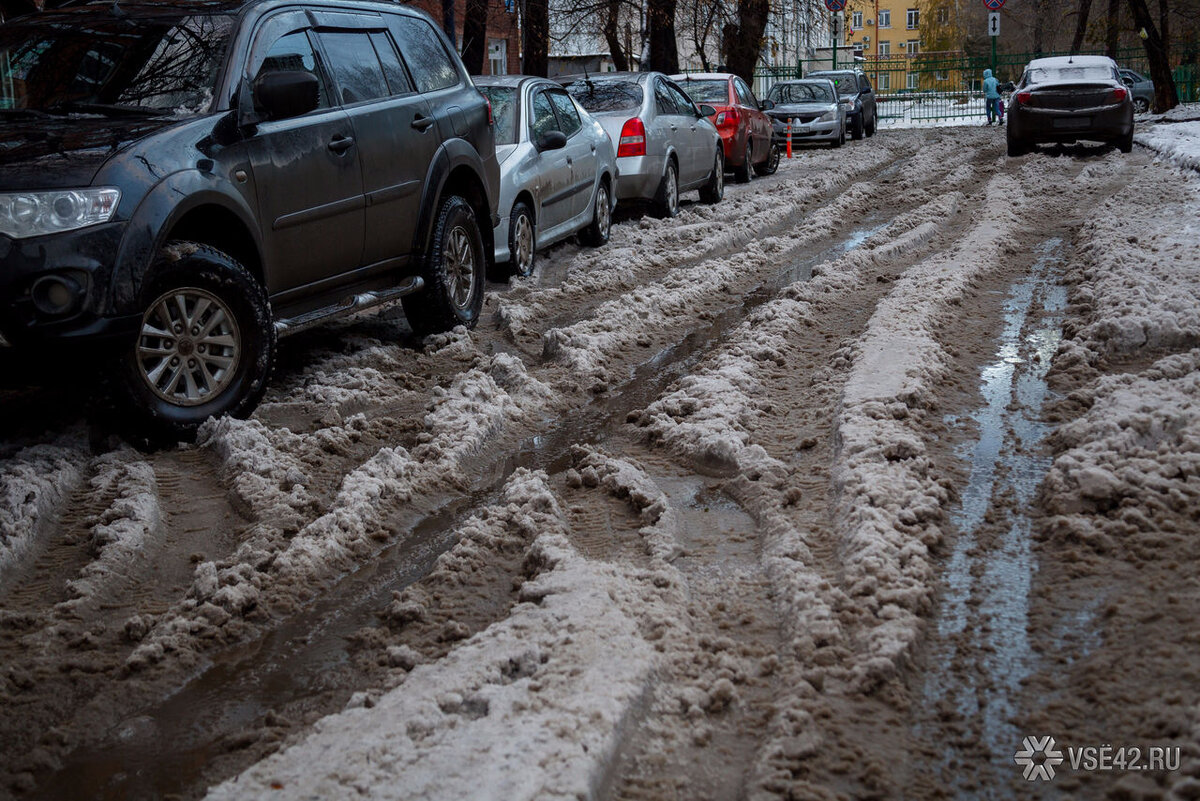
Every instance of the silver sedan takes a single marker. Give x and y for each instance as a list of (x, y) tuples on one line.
[(664, 143), (557, 169)]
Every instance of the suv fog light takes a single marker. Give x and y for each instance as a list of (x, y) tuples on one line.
[(56, 295)]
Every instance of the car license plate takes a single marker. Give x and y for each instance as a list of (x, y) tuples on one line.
[(1072, 122)]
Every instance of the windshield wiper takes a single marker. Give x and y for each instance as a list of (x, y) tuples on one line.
[(107, 109)]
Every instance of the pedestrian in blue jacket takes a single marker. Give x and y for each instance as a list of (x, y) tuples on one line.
[(991, 92)]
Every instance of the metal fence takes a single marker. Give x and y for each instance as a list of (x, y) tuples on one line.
[(931, 87)]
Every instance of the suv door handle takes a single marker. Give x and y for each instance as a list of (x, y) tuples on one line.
[(340, 144), (422, 123)]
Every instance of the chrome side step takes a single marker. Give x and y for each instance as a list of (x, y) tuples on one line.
[(354, 303)]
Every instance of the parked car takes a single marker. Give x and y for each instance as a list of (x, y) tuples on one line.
[(557, 169), (664, 143), (812, 109), (184, 181), (1142, 89), (1068, 98), (745, 130), (857, 98)]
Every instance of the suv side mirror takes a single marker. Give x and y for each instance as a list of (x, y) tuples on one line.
[(766, 105), (551, 140), (284, 94), (707, 111)]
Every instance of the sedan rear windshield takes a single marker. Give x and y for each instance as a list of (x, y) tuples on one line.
[(1071, 74), (504, 111), (706, 91), (602, 96), (159, 65), (783, 94)]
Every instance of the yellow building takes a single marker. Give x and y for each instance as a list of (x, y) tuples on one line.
[(903, 41)]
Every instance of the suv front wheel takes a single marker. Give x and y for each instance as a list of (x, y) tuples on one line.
[(453, 271), (205, 346)]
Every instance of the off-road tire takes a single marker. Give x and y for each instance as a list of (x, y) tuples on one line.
[(857, 130), (870, 127), (666, 200), (770, 164), (597, 232), (521, 211), (216, 283), (435, 309), (714, 189)]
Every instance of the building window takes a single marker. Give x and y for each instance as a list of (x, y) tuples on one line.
[(885, 48), (885, 81), (498, 56), (885, 18), (913, 80), (856, 20), (912, 46), (943, 16), (939, 75), (913, 18)]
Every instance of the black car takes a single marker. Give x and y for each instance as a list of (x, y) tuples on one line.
[(1068, 98), (856, 97), (183, 181)]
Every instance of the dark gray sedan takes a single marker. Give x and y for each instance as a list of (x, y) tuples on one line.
[(1142, 89), (1069, 98)]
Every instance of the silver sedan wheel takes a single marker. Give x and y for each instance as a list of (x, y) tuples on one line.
[(603, 211), (459, 262), (672, 189), (189, 346), (523, 244)]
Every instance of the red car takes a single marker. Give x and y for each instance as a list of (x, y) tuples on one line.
[(745, 130)]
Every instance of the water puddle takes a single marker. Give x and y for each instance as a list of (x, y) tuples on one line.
[(164, 750), (981, 651)]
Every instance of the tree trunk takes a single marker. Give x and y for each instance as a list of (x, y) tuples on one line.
[(474, 47), (1081, 23), (664, 56), (1039, 16), (1113, 31), (1165, 97), (448, 21), (746, 43), (613, 37), (535, 38)]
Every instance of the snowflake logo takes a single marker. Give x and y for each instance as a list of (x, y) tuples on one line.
[(1027, 758)]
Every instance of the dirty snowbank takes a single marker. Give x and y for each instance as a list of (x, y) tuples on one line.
[(293, 541), (532, 707), (1177, 142), (34, 483)]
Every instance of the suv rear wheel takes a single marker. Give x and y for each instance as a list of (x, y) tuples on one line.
[(206, 345), (453, 270)]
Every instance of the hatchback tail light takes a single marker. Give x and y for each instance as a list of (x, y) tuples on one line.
[(728, 119), (1118, 94), (633, 139), (1024, 97)]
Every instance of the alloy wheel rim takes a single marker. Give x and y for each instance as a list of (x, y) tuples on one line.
[(524, 240), (719, 168), (603, 214), (459, 263), (189, 346), (672, 189)]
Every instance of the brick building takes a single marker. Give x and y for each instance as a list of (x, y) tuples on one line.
[(504, 37)]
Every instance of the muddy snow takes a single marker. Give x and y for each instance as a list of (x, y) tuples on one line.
[(838, 489)]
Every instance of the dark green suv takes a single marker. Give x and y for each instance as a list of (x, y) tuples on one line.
[(182, 182)]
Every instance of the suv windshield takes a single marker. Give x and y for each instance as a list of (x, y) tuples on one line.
[(504, 111), (706, 91), (784, 94), (601, 96), (158, 65), (846, 82)]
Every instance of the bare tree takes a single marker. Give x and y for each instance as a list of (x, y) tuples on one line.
[(1165, 97), (612, 35), (1112, 33), (535, 37), (664, 55), (1081, 23), (474, 46), (743, 40)]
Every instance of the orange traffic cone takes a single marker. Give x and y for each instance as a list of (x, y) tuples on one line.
[(789, 139)]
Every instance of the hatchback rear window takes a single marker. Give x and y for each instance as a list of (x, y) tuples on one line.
[(706, 91), (601, 96)]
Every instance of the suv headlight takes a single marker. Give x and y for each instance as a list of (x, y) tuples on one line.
[(24, 214)]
